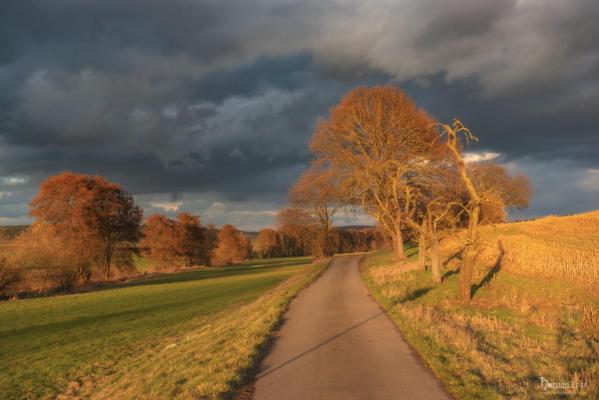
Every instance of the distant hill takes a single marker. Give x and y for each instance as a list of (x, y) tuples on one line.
[(358, 227), (251, 235), (10, 232)]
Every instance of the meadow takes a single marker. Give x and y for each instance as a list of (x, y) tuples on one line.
[(534, 313), (188, 334)]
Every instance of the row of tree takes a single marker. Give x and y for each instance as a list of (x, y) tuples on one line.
[(379, 152), (86, 225), (295, 237)]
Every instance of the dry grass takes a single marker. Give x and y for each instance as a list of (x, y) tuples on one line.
[(208, 361), (552, 247), (535, 311)]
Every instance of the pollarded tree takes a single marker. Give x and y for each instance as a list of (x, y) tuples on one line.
[(318, 193), (233, 247), (374, 141), (91, 209)]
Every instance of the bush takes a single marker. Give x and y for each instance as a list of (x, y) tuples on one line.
[(10, 276), (62, 262)]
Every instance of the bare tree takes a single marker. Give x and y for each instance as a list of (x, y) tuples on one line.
[(317, 192), (374, 140), (499, 190), (298, 228), (472, 207)]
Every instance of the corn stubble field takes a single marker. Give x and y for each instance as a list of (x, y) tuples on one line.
[(192, 334), (535, 310)]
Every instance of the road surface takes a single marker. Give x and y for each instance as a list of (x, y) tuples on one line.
[(336, 343)]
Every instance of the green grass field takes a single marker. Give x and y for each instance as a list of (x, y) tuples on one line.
[(73, 344), (517, 329)]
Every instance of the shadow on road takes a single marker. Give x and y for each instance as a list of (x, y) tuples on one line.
[(311, 349)]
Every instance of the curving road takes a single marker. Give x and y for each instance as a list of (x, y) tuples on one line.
[(336, 343)]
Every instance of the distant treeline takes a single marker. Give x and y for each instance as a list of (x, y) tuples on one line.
[(89, 229), (285, 241)]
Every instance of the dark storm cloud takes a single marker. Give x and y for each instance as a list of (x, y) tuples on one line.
[(219, 98)]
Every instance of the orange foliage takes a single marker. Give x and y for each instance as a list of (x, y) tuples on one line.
[(374, 140), (268, 244), (91, 210), (233, 247), (169, 242)]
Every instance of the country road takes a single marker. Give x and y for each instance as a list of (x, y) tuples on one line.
[(336, 343)]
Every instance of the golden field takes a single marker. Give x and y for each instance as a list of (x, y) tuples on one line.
[(554, 247), (534, 314)]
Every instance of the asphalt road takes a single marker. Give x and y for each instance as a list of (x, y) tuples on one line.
[(336, 343)]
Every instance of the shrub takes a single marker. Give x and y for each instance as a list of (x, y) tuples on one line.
[(10, 276)]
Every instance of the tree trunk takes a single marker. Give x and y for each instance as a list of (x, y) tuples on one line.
[(435, 259), (421, 252), (107, 261), (327, 246), (398, 244), (470, 255), (466, 275)]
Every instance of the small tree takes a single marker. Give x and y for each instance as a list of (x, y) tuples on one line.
[(233, 247), (42, 248), (10, 276), (268, 244), (190, 237), (500, 190), (317, 192), (299, 228), (209, 244), (160, 241)]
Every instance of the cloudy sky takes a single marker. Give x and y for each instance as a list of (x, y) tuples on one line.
[(207, 106)]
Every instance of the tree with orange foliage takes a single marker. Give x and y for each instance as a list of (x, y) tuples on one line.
[(209, 244), (169, 242), (299, 228), (268, 244), (501, 190), (160, 241), (190, 237), (233, 247), (92, 210), (374, 140), (317, 192)]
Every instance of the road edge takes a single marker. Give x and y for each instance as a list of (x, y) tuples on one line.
[(244, 390), (367, 284)]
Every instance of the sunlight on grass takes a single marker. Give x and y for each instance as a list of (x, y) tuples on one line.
[(83, 338), (518, 329)]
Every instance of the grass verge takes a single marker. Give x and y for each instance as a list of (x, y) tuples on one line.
[(186, 335), (517, 330)]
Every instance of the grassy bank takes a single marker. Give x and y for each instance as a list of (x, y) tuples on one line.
[(518, 329), (189, 334)]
